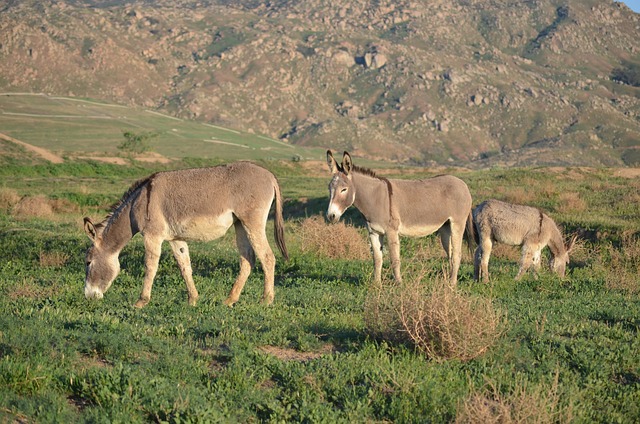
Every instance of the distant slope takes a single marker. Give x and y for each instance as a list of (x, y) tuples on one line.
[(77, 127), (472, 82)]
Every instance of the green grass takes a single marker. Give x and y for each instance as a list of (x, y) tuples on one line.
[(307, 358), (73, 126)]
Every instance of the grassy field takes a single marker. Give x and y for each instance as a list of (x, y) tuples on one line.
[(568, 350), (73, 126)]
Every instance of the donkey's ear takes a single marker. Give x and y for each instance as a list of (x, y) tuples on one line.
[(333, 165), (572, 243), (89, 228), (347, 163)]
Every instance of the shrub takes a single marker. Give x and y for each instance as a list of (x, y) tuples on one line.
[(624, 265), (8, 198), (436, 318), (335, 241), (33, 207), (538, 404)]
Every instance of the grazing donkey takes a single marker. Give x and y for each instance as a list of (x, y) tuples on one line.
[(402, 207), (191, 204), (518, 225)]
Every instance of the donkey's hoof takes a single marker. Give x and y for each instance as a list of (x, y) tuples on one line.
[(229, 302), (192, 301), (141, 303), (267, 300)]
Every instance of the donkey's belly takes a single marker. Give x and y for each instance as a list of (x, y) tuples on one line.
[(204, 228), (419, 230)]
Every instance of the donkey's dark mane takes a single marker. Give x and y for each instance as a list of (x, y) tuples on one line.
[(116, 208)]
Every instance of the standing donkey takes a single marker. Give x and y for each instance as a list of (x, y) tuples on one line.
[(518, 225), (192, 204), (394, 207)]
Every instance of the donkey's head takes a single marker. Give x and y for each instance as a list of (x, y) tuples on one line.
[(342, 193), (101, 266), (559, 262)]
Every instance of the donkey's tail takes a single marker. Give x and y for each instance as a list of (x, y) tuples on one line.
[(471, 233), (278, 227)]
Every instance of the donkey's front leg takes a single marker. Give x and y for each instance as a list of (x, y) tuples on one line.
[(152, 250), (376, 249), (525, 262), (180, 251), (394, 254)]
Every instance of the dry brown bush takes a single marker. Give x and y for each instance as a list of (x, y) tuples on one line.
[(538, 404), (53, 259), (520, 196), (8, 198), (332, 241), (33, 207), (438, 319), (571, 202), (624, 264)]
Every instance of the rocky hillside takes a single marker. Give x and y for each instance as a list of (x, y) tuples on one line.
[(472, 82)]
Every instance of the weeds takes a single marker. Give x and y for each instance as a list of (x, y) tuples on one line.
[(438, 319), (524, 404), (336, 241)]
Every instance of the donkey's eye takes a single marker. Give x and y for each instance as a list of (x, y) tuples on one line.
[(88, 263), (344, 190)]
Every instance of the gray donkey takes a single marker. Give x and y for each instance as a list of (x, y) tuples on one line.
[(518, 225), (192, 204), (393, 208)]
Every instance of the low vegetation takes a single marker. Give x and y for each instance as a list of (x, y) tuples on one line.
[(333, 347)]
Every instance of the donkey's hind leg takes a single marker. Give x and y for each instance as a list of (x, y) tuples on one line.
[(247, 261), (481, 260), (180, 251), (452, 236)]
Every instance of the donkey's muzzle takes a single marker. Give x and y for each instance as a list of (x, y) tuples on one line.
[(92, 293)]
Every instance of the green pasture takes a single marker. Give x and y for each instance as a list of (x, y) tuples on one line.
[(75, 126), (308, 357)]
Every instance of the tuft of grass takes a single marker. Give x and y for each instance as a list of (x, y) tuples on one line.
[(8, 198), (571, 202), (538, 404), (33, 207), (438, 319), (624, 265), (54, 259), (335, 241)]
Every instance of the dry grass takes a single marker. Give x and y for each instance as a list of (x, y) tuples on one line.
[(436, 318), (538, 404), (624, 265), (332, 241), (33, 207), (8, 198), (519, 196), (53, 259), (571, 202)]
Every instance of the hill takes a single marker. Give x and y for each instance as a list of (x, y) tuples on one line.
[(467, 82)]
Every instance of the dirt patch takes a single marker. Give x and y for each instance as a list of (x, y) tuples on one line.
[(627, 172), (43, 153), (152, 157), (286, 354), (106, 159)]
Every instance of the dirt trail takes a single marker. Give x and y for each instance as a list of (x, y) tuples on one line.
[(43, 153)]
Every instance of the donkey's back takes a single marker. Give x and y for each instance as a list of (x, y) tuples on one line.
[(506, 223), (517, 225), (202, 203)]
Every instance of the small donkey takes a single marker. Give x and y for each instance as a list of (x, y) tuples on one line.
[(518, 225)]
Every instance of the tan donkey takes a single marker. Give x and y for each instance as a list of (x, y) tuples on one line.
[(393, 207), (192, 204), (518, 225)]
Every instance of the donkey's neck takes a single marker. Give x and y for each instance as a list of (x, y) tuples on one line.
[(118, 229), (372, 197), (556, 243)]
